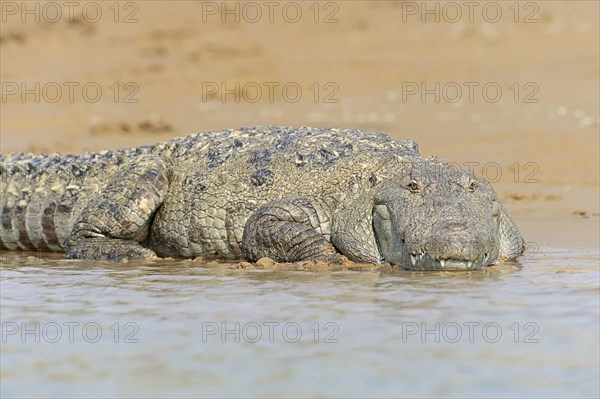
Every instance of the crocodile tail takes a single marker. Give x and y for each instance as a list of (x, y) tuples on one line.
[(41, 195)]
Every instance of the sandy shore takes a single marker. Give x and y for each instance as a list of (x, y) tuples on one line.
[(517, 100)]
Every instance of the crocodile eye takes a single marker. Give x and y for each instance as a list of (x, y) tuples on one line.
[(471, 186), (413, 186)]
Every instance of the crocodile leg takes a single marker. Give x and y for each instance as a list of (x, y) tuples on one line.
[(289, 230), (115, 222)]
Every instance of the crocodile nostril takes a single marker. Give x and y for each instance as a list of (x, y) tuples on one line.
[(456, 226)]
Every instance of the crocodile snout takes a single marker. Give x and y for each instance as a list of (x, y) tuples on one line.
[(453, 240), (451, 245)]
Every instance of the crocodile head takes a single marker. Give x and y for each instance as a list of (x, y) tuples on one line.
[(431, 216)]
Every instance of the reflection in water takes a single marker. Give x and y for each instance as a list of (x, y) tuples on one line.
[(177, 328)]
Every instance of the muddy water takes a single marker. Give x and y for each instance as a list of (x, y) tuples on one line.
[(186, 329)]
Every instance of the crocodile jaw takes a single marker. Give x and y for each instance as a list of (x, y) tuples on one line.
[(394, 249)]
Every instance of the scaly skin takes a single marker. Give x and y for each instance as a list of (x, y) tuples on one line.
[(289, 194)]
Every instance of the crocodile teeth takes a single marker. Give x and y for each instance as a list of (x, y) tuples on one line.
[(469, 264), (442, 262), (413, 259)]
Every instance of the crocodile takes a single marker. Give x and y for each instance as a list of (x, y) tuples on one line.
[(290, 194)]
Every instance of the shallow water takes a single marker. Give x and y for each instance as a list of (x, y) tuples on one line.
[(184, 329)]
